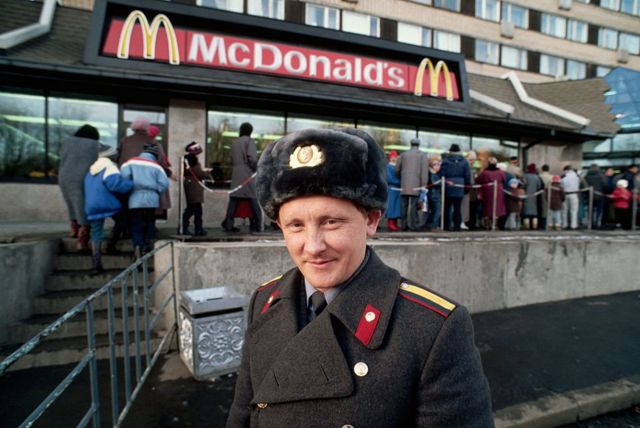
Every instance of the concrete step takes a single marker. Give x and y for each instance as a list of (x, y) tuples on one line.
[(68, 245), (59, 302), (23, 331), (79, 280), (66, 262), (55, 352)]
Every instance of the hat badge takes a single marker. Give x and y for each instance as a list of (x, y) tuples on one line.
[(306, 156)]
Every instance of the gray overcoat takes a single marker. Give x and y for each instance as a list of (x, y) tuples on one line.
[(244, 156), (413, 171), (384, 353), (76, 156)]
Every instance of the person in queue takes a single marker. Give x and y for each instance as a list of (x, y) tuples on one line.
[(342, 339)]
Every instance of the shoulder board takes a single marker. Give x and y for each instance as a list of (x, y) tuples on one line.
[(269, 283), (426, 298)]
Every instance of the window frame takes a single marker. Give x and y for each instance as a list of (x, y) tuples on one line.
[(371, 19)]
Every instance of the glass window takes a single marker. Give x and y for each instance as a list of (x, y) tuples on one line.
[(22, 136), (513, 57), (390, 138), (231, 5), (414, 34), (488, 9), (300, 123), (267, 8), (551, 65), (630, 42), (602, 71), (554, 25), (610, 4), (446, 41), (584, 1), (516, 14), (487, 52), (223, 130), (607, 38), (448, 4), (576, 69), (486, 147), (630, 6), (626, 142), (360, 23), (321, 16), (438, 142), (421, 1), (577, 31)]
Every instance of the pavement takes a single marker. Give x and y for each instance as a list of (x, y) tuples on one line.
[(548, 365)]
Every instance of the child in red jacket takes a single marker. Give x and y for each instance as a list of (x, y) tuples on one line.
[(622, 202)]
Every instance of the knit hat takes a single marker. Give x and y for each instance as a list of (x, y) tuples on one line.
[(193, 148), (152, 148), (454, 148), (106, 151), (556, 179), (622, 183), (153, 131), (415, 141), (531, 168), (393, 154), (140, 124), (343, 163), (514, 181)]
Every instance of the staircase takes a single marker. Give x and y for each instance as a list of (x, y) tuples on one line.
[(68, 285)]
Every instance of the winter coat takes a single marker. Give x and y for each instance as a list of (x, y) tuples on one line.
[(149, 181), (193, 174), (393, 200), (435, 191), (244, 156), (413, 171), (515, 200), (385, 353), (621, 198), (532, 183), (486, 177), (571, 181), (76, 156), (597, 180), (557, 197), (456, 169), (101, 184), (631, 179)]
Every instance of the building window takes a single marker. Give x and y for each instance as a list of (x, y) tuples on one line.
[(584, 1), (602, 71), (438, 142), (398, 139), (513, 58), (267, 8), (448, 4), (488, 9), (577, 31), (519, 16), (607, 38), (487, 147), (554, 25), (421, 1), (414, 34), (576, 69), (446, 41), (231, 5), (359, 23), (630, 42), (299, 123), (551, 65), (630, 6), (610, 4), (487, 52), (321, 16)]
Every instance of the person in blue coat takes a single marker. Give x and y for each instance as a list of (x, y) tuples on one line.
[(393, 201), (101, 184), (457, 173), (149, 182)]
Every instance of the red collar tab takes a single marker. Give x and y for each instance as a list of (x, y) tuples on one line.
[(368, 323), (270, 300)]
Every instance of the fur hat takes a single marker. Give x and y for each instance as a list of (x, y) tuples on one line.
[(154, 149), (622, 183), (140, 124), (106, 151), (344, 163), (193, 148), (454, 148)]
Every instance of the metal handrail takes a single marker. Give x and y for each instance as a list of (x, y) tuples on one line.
[(90, 358)]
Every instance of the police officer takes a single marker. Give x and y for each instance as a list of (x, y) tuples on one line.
[(342, 340)]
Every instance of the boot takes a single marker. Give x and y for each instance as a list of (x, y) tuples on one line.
[(200, 232), (82, 242), (96, 258), (392, 225), (534, 223), (73, 233), (137, 254), (525, 223)]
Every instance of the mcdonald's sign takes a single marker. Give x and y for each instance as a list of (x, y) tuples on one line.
[(137, 38)]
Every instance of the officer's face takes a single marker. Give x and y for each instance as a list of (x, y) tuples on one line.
[(326, 237)]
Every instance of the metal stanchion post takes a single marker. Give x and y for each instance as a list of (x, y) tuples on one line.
[(634, 208), (442, 191), (180, 178), (590, 210), (549, 206), (495, 204)]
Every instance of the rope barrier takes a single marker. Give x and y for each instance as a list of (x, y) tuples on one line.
[(218, 191)]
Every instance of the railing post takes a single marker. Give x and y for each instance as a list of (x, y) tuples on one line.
[(442, 202), (180, 180), (634, 208), (147, 327), (495, 205), (125, 340), (93, 367), (549, 205), (590, 210), (175, 295), (113, 362)]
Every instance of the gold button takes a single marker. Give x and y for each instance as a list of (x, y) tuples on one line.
[(404, 285), (370, 316), (262, 405), (270, 299), (361, 369)]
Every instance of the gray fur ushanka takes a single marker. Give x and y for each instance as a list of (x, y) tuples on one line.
[(353, 169)]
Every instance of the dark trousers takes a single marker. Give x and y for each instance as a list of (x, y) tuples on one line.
[(256, 219), (143, 221), (192, 210), (409, 212), (122, 223), (623, 216), (452, 204)]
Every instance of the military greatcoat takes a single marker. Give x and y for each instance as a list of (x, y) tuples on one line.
[(385, 353)]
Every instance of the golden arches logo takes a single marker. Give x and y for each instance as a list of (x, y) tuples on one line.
[(149, 35), (434, 75)]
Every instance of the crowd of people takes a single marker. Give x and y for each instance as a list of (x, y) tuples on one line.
[(503, 196)]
